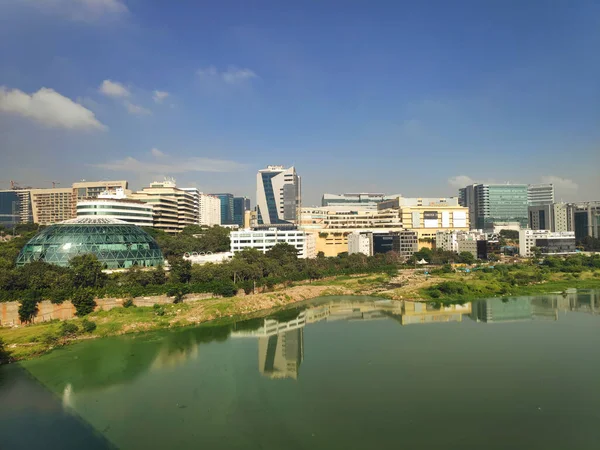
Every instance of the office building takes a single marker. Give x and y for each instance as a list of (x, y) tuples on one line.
[(354, 202), (92, 189), (209, 210), (427, 216), (174, 208), (548, 242), (459, 241), (493, 203), (240, 206), (15, 207), (278, 196), (265, 239), (540, 194), (552, 217), (226, 208), (360, 242), (116, 205), (50, 206), (585, 217)]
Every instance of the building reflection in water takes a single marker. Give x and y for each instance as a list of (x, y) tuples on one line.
[(281, 342)]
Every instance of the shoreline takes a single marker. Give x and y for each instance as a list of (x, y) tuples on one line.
[(26, 342)]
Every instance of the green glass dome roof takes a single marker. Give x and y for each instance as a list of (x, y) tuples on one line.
[(115, 243)]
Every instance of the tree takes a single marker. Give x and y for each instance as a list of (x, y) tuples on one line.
[(87, 271), (28, 307), (159, 276), (84, 302), (181, 270), (4, 356), (283, 252), (512, 235), (466, 258)]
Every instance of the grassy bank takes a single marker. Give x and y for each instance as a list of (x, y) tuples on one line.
[(525, 281), (25, 342)]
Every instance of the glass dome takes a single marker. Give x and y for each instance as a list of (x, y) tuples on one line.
[(116, 244)]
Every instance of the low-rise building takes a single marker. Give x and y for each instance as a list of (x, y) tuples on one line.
[(265, 240), (354, 202), (360, 242), (404, 243), (202, 258), (548, 242)]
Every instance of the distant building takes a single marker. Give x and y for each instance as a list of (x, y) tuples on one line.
[(265, 239), (15, 207), (50, 206), (586, 219), (209, 257), (174, 208), (116, 205), (427, 216), (92, 189), (404, 243), (548, 242), (540, 194), (278, 196), (459, 241), (354, 202), (226, 208), (360, 242), (493, 203), (209, 210), (552, 217), (240, 206)]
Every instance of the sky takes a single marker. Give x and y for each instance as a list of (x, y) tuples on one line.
[(416, 98)]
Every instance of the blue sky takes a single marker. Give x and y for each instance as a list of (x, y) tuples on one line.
[(410, 97)]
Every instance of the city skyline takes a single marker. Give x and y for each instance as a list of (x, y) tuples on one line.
[(356, 98)]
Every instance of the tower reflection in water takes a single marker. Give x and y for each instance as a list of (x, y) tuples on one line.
[(281, 339)]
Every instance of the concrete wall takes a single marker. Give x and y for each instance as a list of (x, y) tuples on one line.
[(9, 311)]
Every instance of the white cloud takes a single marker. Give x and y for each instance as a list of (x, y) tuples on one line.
[(137, 110), (460, 181), (49, 108), (157, 153), (560, 183), (114, 89), (232, 75), (159, 96), (83, 10), (171, 166)]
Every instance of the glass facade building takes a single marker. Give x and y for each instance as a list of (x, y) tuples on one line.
[(9, 208), (240, 206), (116, 244), (226, 208), (501, 203)]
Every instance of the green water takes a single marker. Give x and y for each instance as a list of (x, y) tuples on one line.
[(345, 372)]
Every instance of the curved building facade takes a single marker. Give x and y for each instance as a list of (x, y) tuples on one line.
[(116, 244), (130, 211)]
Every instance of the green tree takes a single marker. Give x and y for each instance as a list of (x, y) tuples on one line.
[(159, 276), (28, 307), (83, 300), (466, 258), (88, 326), (87, 271), (181, 270), (283, 252)]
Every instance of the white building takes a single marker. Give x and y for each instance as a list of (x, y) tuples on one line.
[(264, 240), (116, 205), (208, 257), (209, 210), (278, 196), (548, 242), (459, 241), (360, 242), (540, 194)]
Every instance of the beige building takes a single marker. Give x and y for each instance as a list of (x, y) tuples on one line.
[(92, 189), (49, 206), (174, 208), (428, 216)]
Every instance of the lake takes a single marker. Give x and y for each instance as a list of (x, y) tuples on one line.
[(336, 372)]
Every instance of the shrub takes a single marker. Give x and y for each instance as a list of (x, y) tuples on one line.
[(435, 293), (50, 339), (128, 303), (88, 326), (68, 329), (159, 310), (84, 302)]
